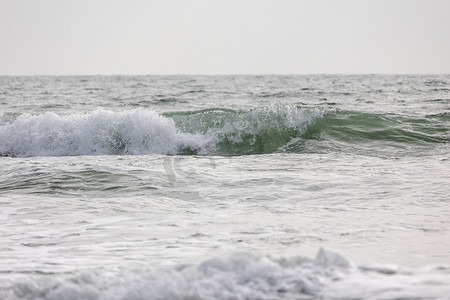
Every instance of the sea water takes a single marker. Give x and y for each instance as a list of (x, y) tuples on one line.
[(225, 187)]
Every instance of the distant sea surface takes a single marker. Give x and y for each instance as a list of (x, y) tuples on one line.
[(225, 187)]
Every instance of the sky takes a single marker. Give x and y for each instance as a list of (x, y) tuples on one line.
[(84, 37)]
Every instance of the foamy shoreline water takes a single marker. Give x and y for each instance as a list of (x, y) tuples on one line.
[(240, 276)]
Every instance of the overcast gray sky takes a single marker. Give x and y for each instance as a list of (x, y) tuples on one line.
[(224, 37)]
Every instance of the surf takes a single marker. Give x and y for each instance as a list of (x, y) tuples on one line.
[(218, 131)]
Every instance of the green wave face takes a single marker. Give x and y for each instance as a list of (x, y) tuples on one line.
[(297, 130), (236, 132), (375, 134)]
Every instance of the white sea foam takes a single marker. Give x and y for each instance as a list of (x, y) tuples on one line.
[(100, 132), (239, 276)]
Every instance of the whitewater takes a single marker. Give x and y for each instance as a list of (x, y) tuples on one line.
[(225, 187)]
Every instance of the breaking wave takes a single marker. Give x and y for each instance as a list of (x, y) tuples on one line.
[(100, 132), (216, 131)]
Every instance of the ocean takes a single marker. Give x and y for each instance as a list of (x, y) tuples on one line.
[(225, 187)]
